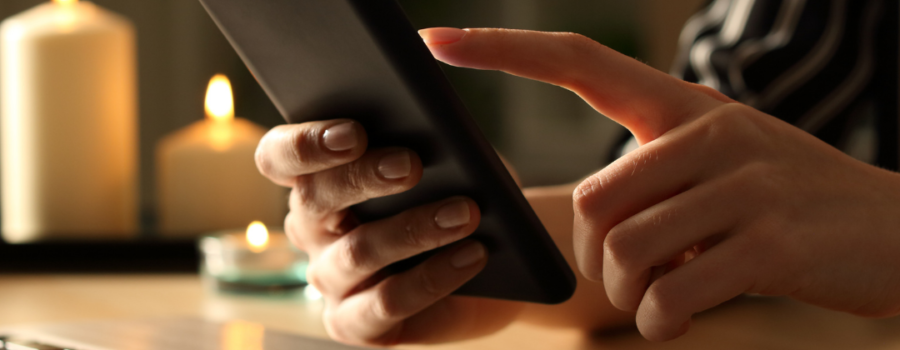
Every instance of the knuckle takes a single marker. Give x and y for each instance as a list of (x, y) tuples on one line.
[(303, 195), (591, 267), (384, 306), (354, 253), (412, 236), (661, 302), (709, 91), (617, 247), (354, 178), (584, 196), (731, 124), (334, 327), (313, 278), (578, 46), (583, 190), (414, 232), (428, 284), (588, 195), (580, 41), (301, 141), (720, 128), (292, 230), (263, 162)]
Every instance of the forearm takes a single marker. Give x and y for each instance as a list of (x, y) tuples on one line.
[(589, 308)]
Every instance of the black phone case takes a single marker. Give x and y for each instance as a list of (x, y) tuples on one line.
[(363, 60)]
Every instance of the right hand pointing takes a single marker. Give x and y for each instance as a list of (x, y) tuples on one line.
[(719, 200)]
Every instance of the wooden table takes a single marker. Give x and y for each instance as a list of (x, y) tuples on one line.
[(748, 323)]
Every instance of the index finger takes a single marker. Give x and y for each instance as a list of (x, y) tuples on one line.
[(288, 151), (644, 100)]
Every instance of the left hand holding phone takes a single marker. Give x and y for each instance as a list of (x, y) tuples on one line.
[(329, 168)]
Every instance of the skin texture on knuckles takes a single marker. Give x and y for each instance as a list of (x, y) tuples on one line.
[(307, 152), (368, 248)]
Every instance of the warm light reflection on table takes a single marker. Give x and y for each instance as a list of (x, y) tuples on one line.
[(749, 323), (243, 335)]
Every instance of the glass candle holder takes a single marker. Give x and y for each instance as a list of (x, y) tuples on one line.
[(240, 261)]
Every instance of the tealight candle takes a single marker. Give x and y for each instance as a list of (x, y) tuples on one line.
[(254, 259)]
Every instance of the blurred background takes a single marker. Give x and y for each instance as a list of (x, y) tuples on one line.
[(548, 133)]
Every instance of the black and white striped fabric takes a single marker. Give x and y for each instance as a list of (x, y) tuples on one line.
[(830, 67)]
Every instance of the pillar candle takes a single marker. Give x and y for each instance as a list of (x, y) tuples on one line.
[(207, 177), (68, 110)]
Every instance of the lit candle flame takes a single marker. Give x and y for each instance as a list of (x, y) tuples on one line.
[(219, 99), (65, 2), (257, 236)]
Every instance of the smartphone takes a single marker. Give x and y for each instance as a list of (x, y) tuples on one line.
[(363, 60)]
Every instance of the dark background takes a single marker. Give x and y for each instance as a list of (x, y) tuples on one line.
[(548, 133)]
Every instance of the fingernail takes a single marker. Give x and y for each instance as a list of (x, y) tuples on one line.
[(468, 255), (395, 165), (453, 214), (442, 36), (340, 137)]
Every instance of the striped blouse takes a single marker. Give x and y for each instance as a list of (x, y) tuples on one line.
[(829, 67)]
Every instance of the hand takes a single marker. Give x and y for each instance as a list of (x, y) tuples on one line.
[(327, 165), (719, 200)]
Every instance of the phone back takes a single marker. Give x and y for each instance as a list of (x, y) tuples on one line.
[(362, 59)]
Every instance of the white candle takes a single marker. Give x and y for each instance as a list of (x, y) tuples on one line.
[(207, 178), (68, 107)]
